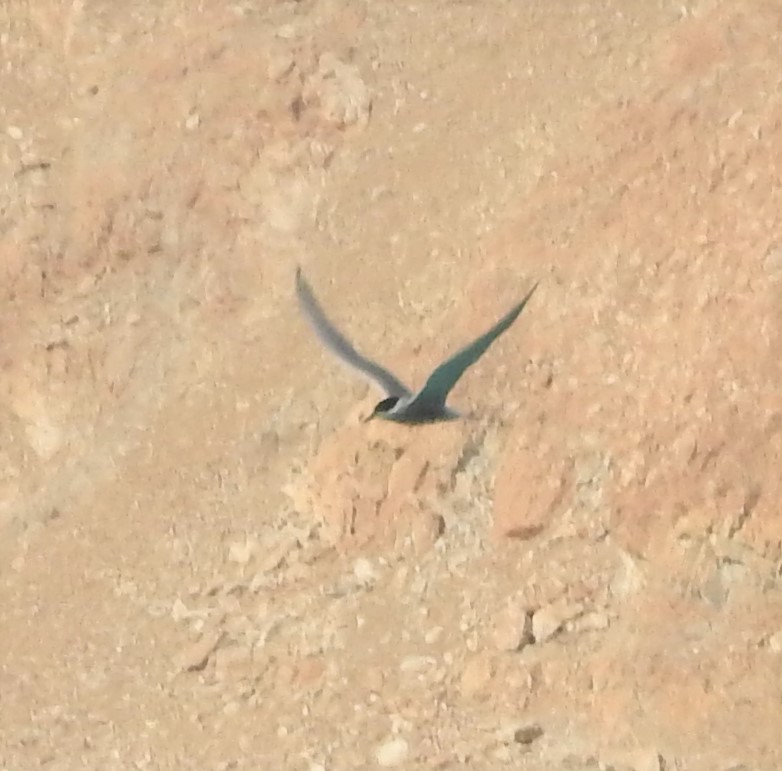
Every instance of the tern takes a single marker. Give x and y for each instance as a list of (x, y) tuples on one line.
[(401, 404)]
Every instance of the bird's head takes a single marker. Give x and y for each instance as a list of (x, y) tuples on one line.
[(383, 408)]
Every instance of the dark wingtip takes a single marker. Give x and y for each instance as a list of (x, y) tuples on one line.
[(529, 294), (301, 282)]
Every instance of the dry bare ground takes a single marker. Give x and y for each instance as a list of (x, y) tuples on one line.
[(208, 562)]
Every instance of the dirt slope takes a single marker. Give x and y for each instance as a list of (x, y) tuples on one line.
[(208, 562)]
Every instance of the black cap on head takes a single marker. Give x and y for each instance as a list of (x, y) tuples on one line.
[(384, 406)]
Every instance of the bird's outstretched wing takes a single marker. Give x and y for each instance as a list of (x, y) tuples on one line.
[(336, 342), (445, 377)]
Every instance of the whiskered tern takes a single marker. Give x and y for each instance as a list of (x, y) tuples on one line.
[(401, 404)]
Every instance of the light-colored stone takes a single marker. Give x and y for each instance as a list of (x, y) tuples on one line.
[(280, 65), (775, 642), (512, 628), (276, 555), (548, 620), (418, 664), (230, 658), (339, 91), (641, 759), (194, 657), (392, 753), (531, 489), (242, 551), (476, 675), (364, 572)]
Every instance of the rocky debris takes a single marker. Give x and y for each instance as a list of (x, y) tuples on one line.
[(392, 753), (590, 621), (365, 572), (276, 554), (549, 620), (476, 676), (513, 628), (194, 657), (380, 494), (340, 94), (280, 65), (775, 642), (242, 552), (533, 485), (527, 733), (418, 664), (646, 759)]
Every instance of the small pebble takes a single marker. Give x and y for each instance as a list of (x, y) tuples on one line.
[(549, 620), (512, 628), (393, 753), (194, 657), (476, 676), (417, 663), (242, 552), (527, 734), (364, 571)]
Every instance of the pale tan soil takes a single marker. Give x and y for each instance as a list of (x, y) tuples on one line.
[(208, 562)]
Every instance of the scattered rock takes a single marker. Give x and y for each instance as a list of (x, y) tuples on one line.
[(180, 611), (775, 642), (341, 95), (277, 555), (589, 622), (230, 658), (280, 66), (527, 734), (393, 753), (193, 121), (530, 489), (44, 437), (364, 571), (476, 675), (629, 578), (547, 621), (194, 657), (242, 552), (636, 760), (286, 32), (519, 732), (513, 628), (417, 664)]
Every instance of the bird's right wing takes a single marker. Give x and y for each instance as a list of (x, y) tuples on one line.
[(444, 378), (338, 344)]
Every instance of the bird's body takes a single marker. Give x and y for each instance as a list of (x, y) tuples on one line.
[(410, 409), (401, 404)]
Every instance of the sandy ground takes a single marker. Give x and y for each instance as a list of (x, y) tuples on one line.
[(207, 561)]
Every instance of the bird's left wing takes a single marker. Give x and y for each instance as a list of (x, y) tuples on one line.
[(445, 377)]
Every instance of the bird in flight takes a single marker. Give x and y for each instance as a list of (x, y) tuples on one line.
[(401, 404)]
